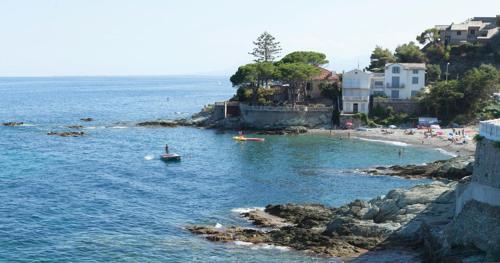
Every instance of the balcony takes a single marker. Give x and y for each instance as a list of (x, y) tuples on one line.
[(390, 86), (356, 98)]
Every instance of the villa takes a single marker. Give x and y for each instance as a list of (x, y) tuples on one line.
[(477, 29), (400, 82), (313, 87), (356, 91), (404, 80)]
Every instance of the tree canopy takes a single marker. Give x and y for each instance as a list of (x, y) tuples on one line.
[(465, 98), (430, 35), (379, 58), (266, 48), (296, 75), (307, 57), (410, 53)]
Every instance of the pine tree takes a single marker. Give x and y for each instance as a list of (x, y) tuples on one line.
[(266, 48)]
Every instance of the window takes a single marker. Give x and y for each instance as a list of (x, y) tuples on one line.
[(379, 83), (415, 71), (414, 80), (414, 93), (395, 70), (459, 33), (395, 83), (395, 94), (472, 31)]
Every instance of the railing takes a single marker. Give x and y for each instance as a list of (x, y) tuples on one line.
[(390, 86), (362, 98), (490, 129)]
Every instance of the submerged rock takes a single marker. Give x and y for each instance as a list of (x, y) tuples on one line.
[(67, 134), (454, 169), (12, 123), (87, 119)]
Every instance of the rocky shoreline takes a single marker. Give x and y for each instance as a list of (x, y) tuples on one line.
[(385, 222), (455, 168)]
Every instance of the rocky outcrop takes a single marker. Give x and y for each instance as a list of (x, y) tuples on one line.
[(67, 134), (454, 169), (348, 230), (75, 126), (12, 124)]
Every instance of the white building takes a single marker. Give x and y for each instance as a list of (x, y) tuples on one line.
[(377, 84), (356, 91), (404, 80)]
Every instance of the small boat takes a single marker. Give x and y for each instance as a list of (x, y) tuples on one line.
[(170, 157), (242, 138)]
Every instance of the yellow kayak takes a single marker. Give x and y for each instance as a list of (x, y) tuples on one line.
[(243, 138)]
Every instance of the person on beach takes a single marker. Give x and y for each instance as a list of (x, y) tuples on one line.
[(166, 148)]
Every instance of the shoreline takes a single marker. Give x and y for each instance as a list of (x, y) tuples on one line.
[(439, 143)]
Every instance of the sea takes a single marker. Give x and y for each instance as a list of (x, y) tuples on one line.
[(107, 197)]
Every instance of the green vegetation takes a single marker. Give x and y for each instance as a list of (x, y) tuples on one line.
[(379, 58), (433, 73), (296, 75), (266, 48), (305, 57), (410, 53), (464, 100), (387, 116), (478, 138), (295, 69)]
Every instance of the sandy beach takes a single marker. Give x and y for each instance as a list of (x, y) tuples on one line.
[(398, 137)]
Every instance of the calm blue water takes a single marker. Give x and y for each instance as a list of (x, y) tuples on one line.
[(106, 197)]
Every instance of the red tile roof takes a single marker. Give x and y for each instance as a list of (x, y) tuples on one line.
[(325, 74)]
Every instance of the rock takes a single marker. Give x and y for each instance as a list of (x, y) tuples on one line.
[(67, 134), (308, 215), (75, 126), (476, 227), (295, 130), (453, 169), (161, 123), (350, 229), (87, 119), (261, 218), (12, 124)]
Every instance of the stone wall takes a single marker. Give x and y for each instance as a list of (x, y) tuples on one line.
[(274, 117), (399, 106), (477, 215)]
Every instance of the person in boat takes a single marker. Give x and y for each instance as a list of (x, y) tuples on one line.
[(166, 148)]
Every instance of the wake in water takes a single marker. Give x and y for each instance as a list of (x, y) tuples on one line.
[(260, 246), (149, 157), (446, 152), (403, 144), (243, 210)]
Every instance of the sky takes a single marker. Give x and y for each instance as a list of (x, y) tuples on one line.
[(184, 37)]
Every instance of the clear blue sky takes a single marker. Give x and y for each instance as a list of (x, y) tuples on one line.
[(162, 37)]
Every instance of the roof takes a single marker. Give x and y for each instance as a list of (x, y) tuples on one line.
[(441, 27), (325, 74), (460, 26), (356, 71), (408, 65)]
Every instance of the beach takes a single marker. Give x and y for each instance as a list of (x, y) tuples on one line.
[(399, 138)]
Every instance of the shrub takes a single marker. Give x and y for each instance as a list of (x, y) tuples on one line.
[(478, 138)]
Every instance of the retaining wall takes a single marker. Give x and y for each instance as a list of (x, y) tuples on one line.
[(268, 117)]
